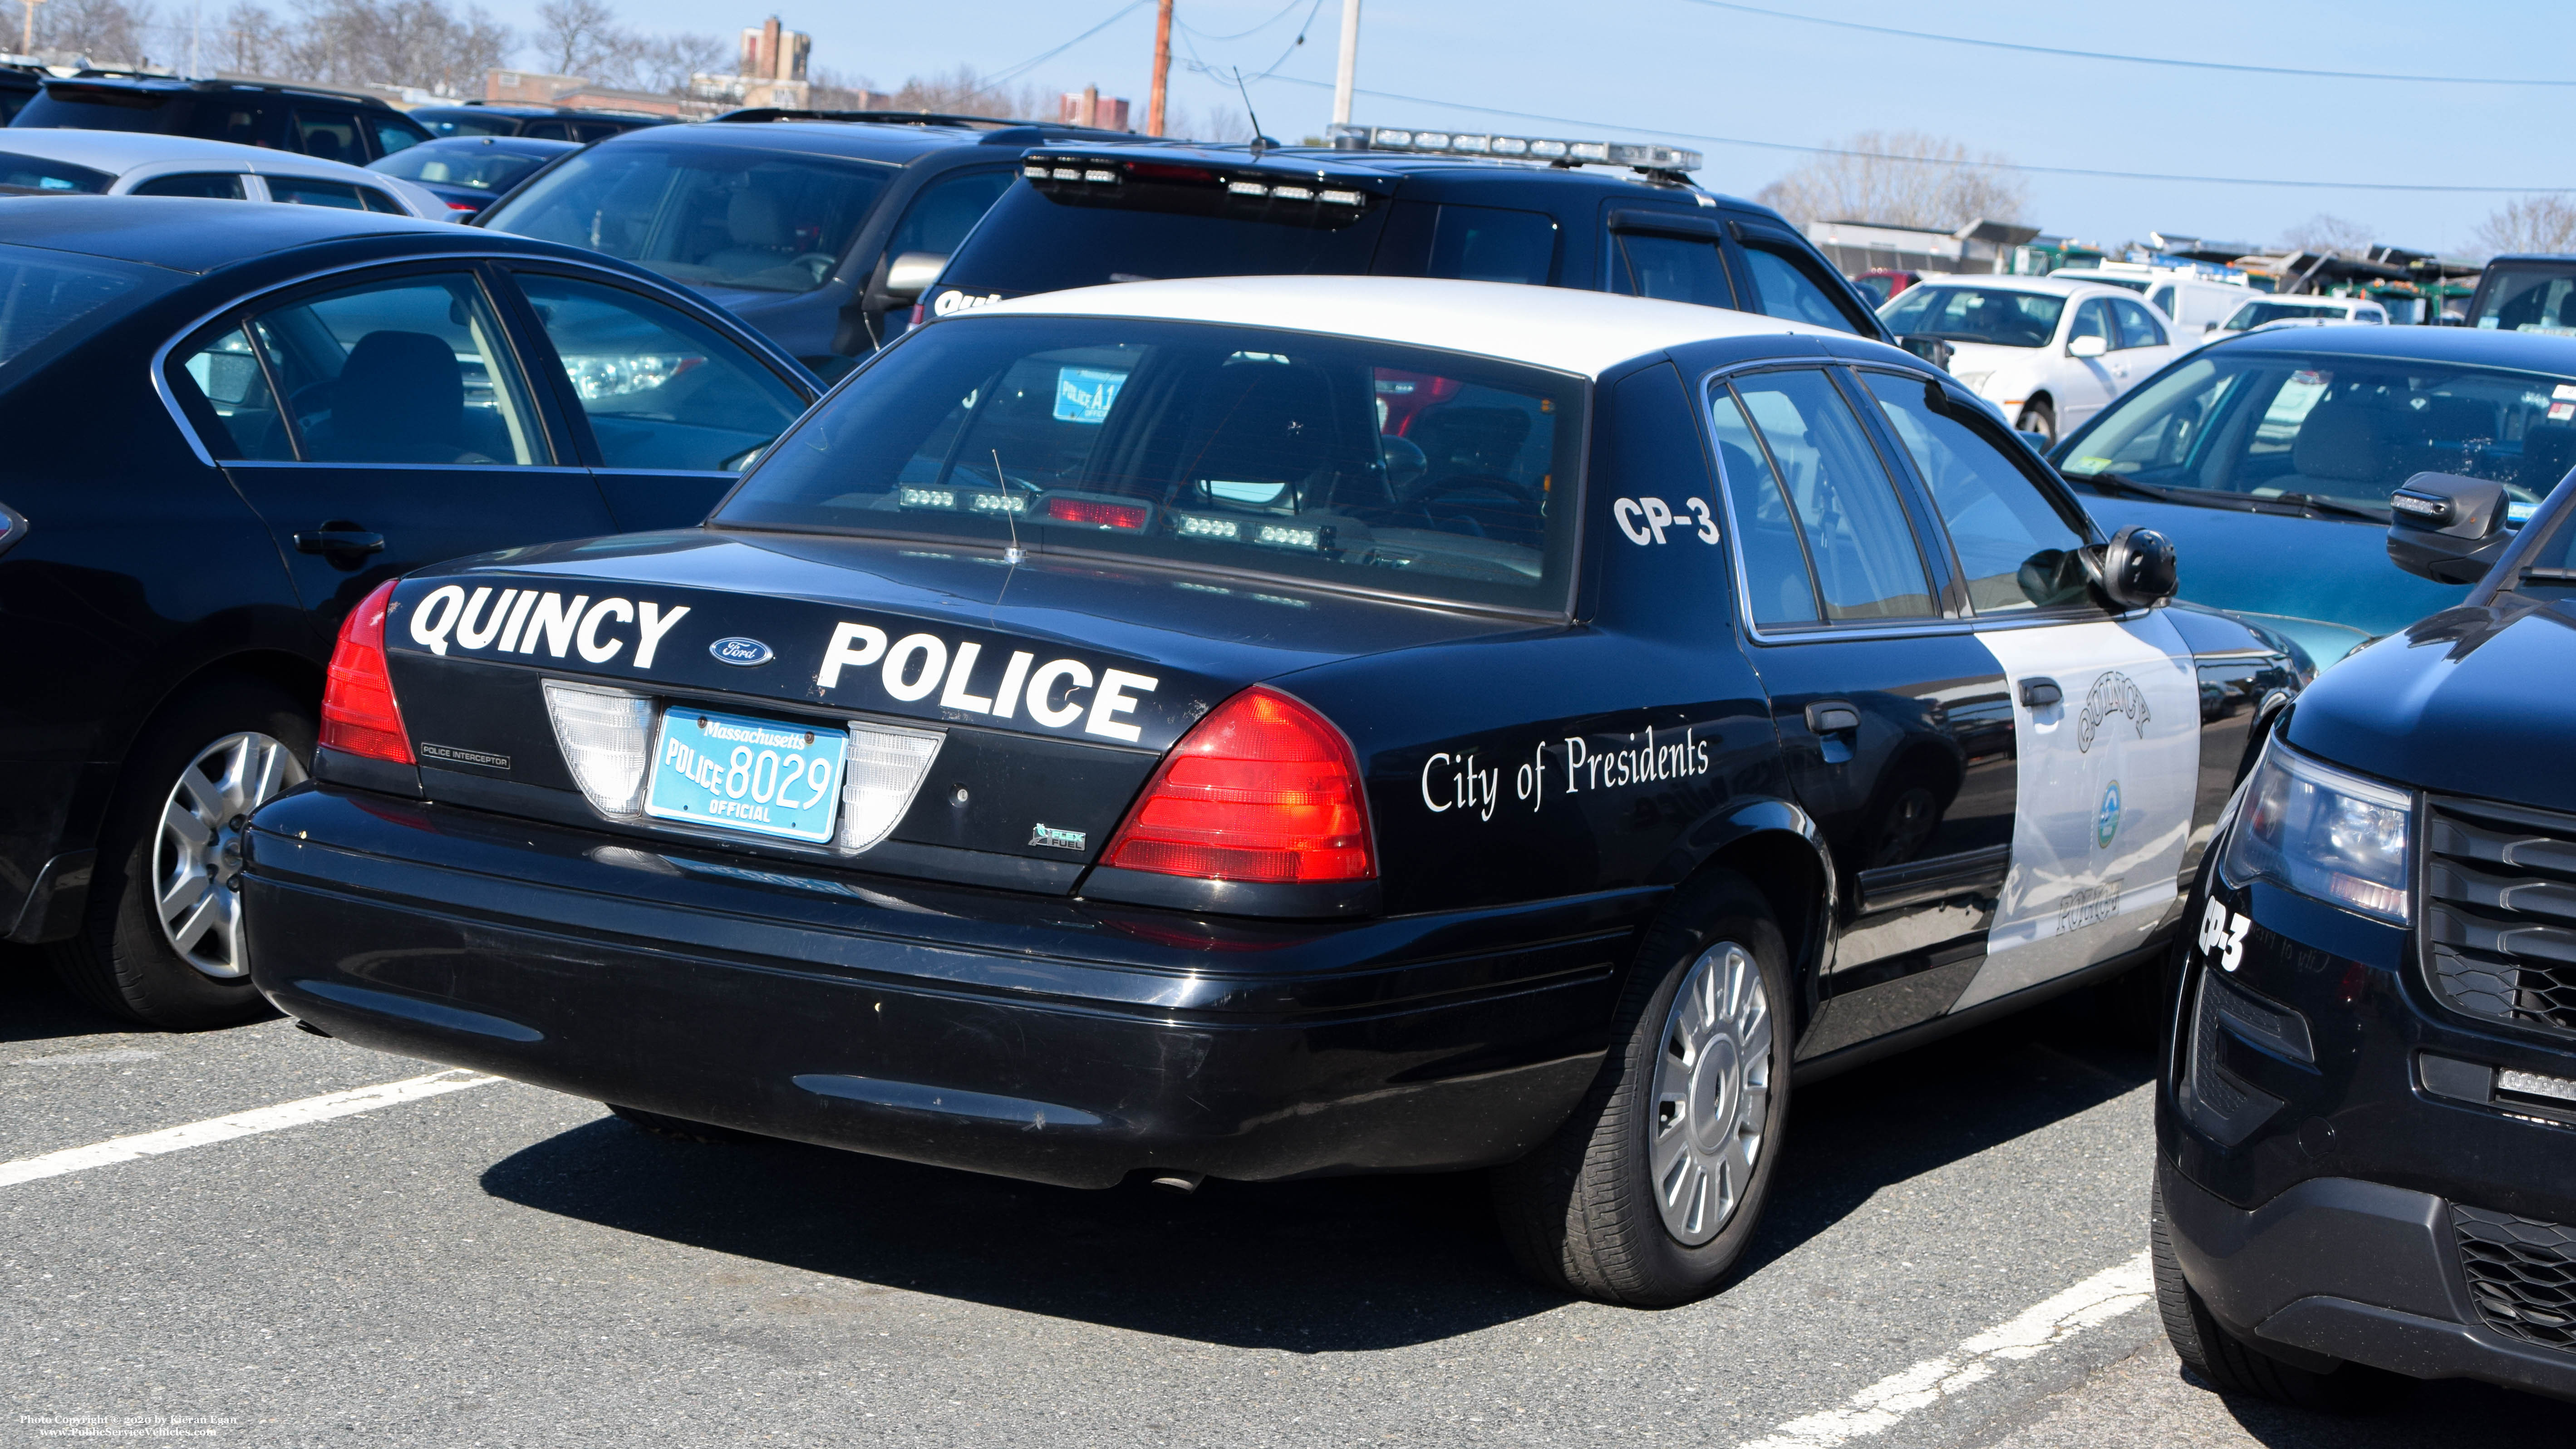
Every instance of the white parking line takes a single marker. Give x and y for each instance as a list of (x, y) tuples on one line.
[(2043, 1326), (239, 1124)]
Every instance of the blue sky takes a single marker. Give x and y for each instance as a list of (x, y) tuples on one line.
[(1661, 68)]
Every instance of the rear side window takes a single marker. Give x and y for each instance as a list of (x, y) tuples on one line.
[(235, 410), (1493, 244), (307, 191), (331, 135), (1787, 291), (2138, 326), (1859, 547), (1227, 450), (547, 130), (219, 120), (392, 134), (221, 185), (2012, 543), (1676, 269), (661, 390), (34, 173), (947, 209), (412, 370)]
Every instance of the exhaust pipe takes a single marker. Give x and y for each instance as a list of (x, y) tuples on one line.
[(1183, 1183)]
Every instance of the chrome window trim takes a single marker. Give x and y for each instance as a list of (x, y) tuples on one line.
[(1754, 633), (160, 362)]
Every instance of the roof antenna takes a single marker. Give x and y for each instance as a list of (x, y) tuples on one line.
[(1258, 140)]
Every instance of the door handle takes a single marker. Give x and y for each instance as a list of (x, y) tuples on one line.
[(2039, 693), (1832, 717), (338, 540)]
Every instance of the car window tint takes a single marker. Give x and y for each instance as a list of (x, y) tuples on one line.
[(2092, 319), (661, 389), (35, 173), (1777, 588), (238, 416), (413, 370), (44, 291), (221, 185), (1787, 291), (2138, 326), (391, 135), (947, 209), (2163, 297), (547, 130), (1493, 244), (704, 215), (1676, 269), (307, 191), (1866, 562), (378, 201), (483, 125), (331, 135), (2012, 542), (215, 121)]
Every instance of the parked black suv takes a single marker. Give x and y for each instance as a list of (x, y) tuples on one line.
[(335, 125), (537, 123), (788, 219), (1599, 216), (19, 84)]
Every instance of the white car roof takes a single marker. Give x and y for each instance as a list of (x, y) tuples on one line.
[(117, 152), (2001, 282), (1554, 327)]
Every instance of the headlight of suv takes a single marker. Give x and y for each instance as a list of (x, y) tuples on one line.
[(2313, 829)]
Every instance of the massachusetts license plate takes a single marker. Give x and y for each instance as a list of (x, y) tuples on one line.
[(759, 776)]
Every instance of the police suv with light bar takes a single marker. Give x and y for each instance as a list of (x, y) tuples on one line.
[(1262, 727), (2363, 1172), (1395, 202)]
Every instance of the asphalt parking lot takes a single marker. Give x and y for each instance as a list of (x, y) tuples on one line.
[(1955, 1259)]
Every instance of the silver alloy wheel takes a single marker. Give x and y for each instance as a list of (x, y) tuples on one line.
[(196, 857), (1712, 1093)]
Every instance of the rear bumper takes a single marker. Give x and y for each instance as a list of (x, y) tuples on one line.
[(1041, 1038), (2354, 1270)]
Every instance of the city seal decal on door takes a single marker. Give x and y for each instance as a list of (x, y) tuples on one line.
[(2106, 820), (2112, 693)]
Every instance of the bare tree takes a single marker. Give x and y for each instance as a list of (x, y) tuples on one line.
[(1215, 123), (664, 63), (2331, 235), (1900, 178), (2530, 224), (110, 32), (579, 37), (963, 92), (406, 42), (249, 40), (835, 90)]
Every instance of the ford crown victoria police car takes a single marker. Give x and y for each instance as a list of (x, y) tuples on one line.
[(1279, 726)]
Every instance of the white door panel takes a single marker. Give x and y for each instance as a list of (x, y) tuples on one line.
[(2107, 778)]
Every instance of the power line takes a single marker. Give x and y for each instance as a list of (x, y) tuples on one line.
[(1931, 161), (1011, 73), (1284, 12), (2442, 80)]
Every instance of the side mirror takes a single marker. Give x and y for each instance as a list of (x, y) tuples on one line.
[(2208, 327), (2447, 528), (2135, 570), (2087, 347), (1931, 349), (910, 275)]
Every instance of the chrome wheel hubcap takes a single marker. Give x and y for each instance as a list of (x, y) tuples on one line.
[(196, 856), (1712, 1093)]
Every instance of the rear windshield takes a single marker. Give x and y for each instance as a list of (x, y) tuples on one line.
[(710, 216), (2255, 314), (2524, 297), (107, 108), (484, 168), (1233, 450), (1990, 315), (42, 293), (1030, 242)]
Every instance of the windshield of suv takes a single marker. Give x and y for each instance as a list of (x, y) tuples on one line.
[(1975, 314), (1231, 450), (710, 216), (2265, 424), (2528, 297)]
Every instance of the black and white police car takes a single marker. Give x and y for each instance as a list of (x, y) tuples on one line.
[(1263, 727)]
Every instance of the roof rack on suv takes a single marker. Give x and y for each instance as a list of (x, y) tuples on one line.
[(1672, 163), (220, 83), (757, 114)]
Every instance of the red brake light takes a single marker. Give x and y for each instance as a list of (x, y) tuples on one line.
[(920, 313), (1165, 171), (1096, 513), (358, 710), (1263, 789)]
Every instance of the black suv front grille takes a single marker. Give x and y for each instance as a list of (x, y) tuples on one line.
[(2522, 1273), (2500, 911)]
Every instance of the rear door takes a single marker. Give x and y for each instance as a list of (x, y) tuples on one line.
[(381, 422), (665, 408), (1893, 718), (2104, 711)]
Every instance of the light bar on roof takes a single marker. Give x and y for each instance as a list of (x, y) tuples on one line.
[(1645, 157)]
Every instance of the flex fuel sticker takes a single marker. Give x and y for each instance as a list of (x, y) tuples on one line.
[(2105, 783)]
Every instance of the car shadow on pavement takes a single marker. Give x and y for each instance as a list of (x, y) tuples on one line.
[(34, 1006), (2451, 1414), (1330, 1265)]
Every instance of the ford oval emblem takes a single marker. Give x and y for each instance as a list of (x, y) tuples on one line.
[(738, 650)]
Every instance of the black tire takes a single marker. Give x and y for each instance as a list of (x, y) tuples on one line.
[(2230, 1365), (1581, 1213), (2040, 417), (121, 960), (681, 1129)]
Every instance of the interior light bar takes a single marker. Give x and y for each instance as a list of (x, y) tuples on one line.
[(1643, 156)]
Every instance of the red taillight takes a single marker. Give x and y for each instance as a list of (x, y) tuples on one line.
[(358, 710), (465, 206), (1098, 514), (1164, 171), (1263, 789), (920, 313)]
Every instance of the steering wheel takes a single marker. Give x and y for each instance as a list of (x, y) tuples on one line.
[(820, 262)]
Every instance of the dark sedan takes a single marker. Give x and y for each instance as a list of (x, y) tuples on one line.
[(228, 423), (469, 173)]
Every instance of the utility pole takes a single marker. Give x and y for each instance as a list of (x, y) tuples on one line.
[(1348, 76), (1162, 69), (27, 31)]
